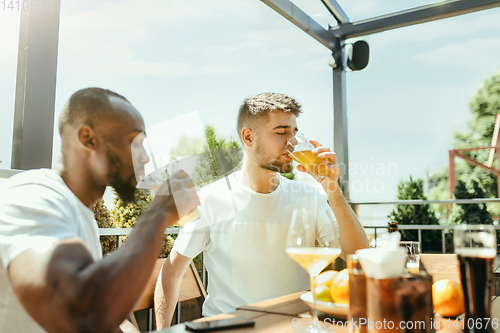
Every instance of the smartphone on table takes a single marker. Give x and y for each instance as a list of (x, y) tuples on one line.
[(221, 324)]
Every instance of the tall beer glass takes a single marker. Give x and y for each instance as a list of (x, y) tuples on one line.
[(475, 246)]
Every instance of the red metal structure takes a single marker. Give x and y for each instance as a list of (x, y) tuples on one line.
[(495, 147)]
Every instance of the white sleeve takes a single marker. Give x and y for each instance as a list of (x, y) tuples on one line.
[(31, 217), (193, 237)]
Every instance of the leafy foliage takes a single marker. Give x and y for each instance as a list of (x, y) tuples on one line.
[(126, 215), (484, 107), (416, 215), (219, 159), (470, 213), (104, 220)]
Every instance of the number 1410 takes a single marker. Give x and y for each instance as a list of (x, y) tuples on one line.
[(12, 5), (32, 5)]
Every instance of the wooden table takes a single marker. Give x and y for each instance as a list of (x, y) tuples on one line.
[(287, 313)]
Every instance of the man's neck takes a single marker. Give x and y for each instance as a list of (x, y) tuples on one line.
[(80, 184), (258, 179)]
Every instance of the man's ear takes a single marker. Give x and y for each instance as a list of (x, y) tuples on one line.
[(87, 137), (247, 136)]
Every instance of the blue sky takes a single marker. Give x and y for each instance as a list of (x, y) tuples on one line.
[(173, 57)]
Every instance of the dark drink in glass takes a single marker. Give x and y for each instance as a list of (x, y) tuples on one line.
[(476, 271), (475, 246), (384, 312), (414, 298)]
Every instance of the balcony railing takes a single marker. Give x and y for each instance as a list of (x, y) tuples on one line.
[(419, 228)]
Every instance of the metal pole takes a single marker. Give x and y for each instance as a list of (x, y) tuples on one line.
[(340, 137), (178, 313), (452, 181), (443, 240), (36, 85)]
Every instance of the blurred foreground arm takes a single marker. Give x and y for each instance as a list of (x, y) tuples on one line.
[(89, 296), (168, 288)]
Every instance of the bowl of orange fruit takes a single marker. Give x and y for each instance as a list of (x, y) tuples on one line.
[(332, 293)]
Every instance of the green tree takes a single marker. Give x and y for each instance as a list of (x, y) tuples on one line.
[(484, 107), (217, 156), (187, 146), (470, 213), (104, 220), (220, 158), (416, 215), (126, 215)]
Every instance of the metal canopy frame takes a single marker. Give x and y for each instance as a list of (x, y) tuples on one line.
[(334, 39)]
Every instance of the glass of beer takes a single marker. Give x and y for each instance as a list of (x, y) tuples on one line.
[(412, 256), (310, 253), (155, 180), (475, 246), (301, 153)]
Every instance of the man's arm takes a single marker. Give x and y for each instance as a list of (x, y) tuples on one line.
[(168, 287), (352, 235), (64, 290), (351, 232)]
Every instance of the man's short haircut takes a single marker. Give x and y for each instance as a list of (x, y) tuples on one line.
[(261, 105), (86, 105)]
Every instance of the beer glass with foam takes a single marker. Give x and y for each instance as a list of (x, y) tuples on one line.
[(413, 256), (475, 246), (302, 154)]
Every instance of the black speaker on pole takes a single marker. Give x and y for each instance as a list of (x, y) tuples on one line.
[(358, 59)]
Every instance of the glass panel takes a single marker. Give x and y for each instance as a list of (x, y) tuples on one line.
[(404, 107), (9, 41)]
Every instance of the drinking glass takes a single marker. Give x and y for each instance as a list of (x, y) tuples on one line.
[(357, 294), (475, 246), (311, 254), (413, 256), (301, 153), (155, 180)]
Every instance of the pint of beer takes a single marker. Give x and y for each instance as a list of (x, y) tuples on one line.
[(302, 154), (475, 246)]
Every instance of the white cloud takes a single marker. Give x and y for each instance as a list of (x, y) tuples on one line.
[(482, 23), (478, 52), (162, 69)]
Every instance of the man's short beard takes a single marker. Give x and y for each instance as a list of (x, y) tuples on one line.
[(277, 166), (124, 189)]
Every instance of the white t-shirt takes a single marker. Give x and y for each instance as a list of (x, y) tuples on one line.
[(242, 234), (37, 209)]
